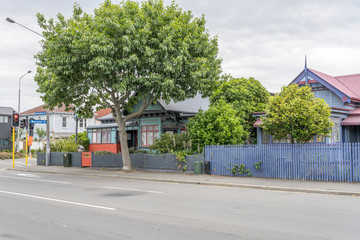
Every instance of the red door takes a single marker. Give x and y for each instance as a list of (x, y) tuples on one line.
[(86, 159)]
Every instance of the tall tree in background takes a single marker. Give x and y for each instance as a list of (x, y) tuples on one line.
[(297, 115), (122, 54), (246, 96), (219, 125)]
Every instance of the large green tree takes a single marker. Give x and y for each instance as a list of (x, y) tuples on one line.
[(122, 54), (246, 96), (219, 125), (297, 115)]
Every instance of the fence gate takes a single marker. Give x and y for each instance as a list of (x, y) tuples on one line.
[(86, 159)]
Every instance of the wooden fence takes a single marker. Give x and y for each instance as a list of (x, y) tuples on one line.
[(321, 162)]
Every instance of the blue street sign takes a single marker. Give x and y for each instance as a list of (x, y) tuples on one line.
[(39, 113), (38, 121)]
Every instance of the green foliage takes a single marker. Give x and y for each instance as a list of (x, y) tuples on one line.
[(102, 152), (122, 54), (219, 125), (180, 156), (140, 151), (168, 143), (9, 155), (246, 96), (63, 145), (82, 139), (297, 115), (41, 133), (241, 169), (257, 165)]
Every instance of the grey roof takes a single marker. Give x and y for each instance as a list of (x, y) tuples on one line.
[(106, 117), (105, 125), (6, 110), (190, 105), (112, 125)]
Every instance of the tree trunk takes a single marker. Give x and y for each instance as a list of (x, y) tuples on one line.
[(124, 147)]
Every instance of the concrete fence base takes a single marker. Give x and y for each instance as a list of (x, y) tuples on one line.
[(164, 162)]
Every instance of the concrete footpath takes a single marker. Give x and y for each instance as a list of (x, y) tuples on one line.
[(300, 186)]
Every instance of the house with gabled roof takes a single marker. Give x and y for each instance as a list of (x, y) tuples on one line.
[(341, 93), (160, 117), (62, 121)]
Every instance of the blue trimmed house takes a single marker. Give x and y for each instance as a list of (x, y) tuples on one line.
[(158, 118), (342, 94)]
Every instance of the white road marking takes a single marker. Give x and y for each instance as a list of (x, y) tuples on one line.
[(132, 189), (34, 179), (28, 175), (58, 200)]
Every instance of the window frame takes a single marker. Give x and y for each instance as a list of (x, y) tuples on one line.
[(148, 134)]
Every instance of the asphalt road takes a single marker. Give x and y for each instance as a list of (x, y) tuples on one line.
[(50, 206)]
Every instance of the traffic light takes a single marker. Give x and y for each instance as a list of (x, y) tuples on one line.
[(26, 122), (15, 120), (31, 127), (22, 123)]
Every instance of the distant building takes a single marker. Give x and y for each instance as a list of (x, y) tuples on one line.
[(5, 128), (62, 122)]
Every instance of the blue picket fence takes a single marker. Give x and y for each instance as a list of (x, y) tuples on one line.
[(321, 162)]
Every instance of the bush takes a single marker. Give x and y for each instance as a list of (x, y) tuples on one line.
[(102, 152), (82, 139), (8, 155), (140, 151), (169, 143), (63, 145)]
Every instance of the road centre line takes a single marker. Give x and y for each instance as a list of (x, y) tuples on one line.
[(58, 200), (35, 179), (132, 189)]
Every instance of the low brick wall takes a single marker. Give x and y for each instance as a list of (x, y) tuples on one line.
[(162, 162)]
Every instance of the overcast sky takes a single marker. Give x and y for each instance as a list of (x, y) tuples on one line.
[(265, 39)]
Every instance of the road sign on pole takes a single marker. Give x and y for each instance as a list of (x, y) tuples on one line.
[(33, 121)]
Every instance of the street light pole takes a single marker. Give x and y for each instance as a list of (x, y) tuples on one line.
[(47, 111), (12, 21), (18, 132)]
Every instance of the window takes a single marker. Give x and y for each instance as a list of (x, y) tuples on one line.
[(82, 123), (335, 136), (4, 142), (64, 122), (149, 134), (4, 119), (101, 135), (105, 135)]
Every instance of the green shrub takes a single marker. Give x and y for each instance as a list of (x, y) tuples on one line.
[(102, 152), (140, 151), (63, 145), (169, 143), (82, 139)]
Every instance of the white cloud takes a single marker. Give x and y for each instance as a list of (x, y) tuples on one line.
[(263, 39)]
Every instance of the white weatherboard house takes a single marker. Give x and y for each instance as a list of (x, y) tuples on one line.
[(62, 122)]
